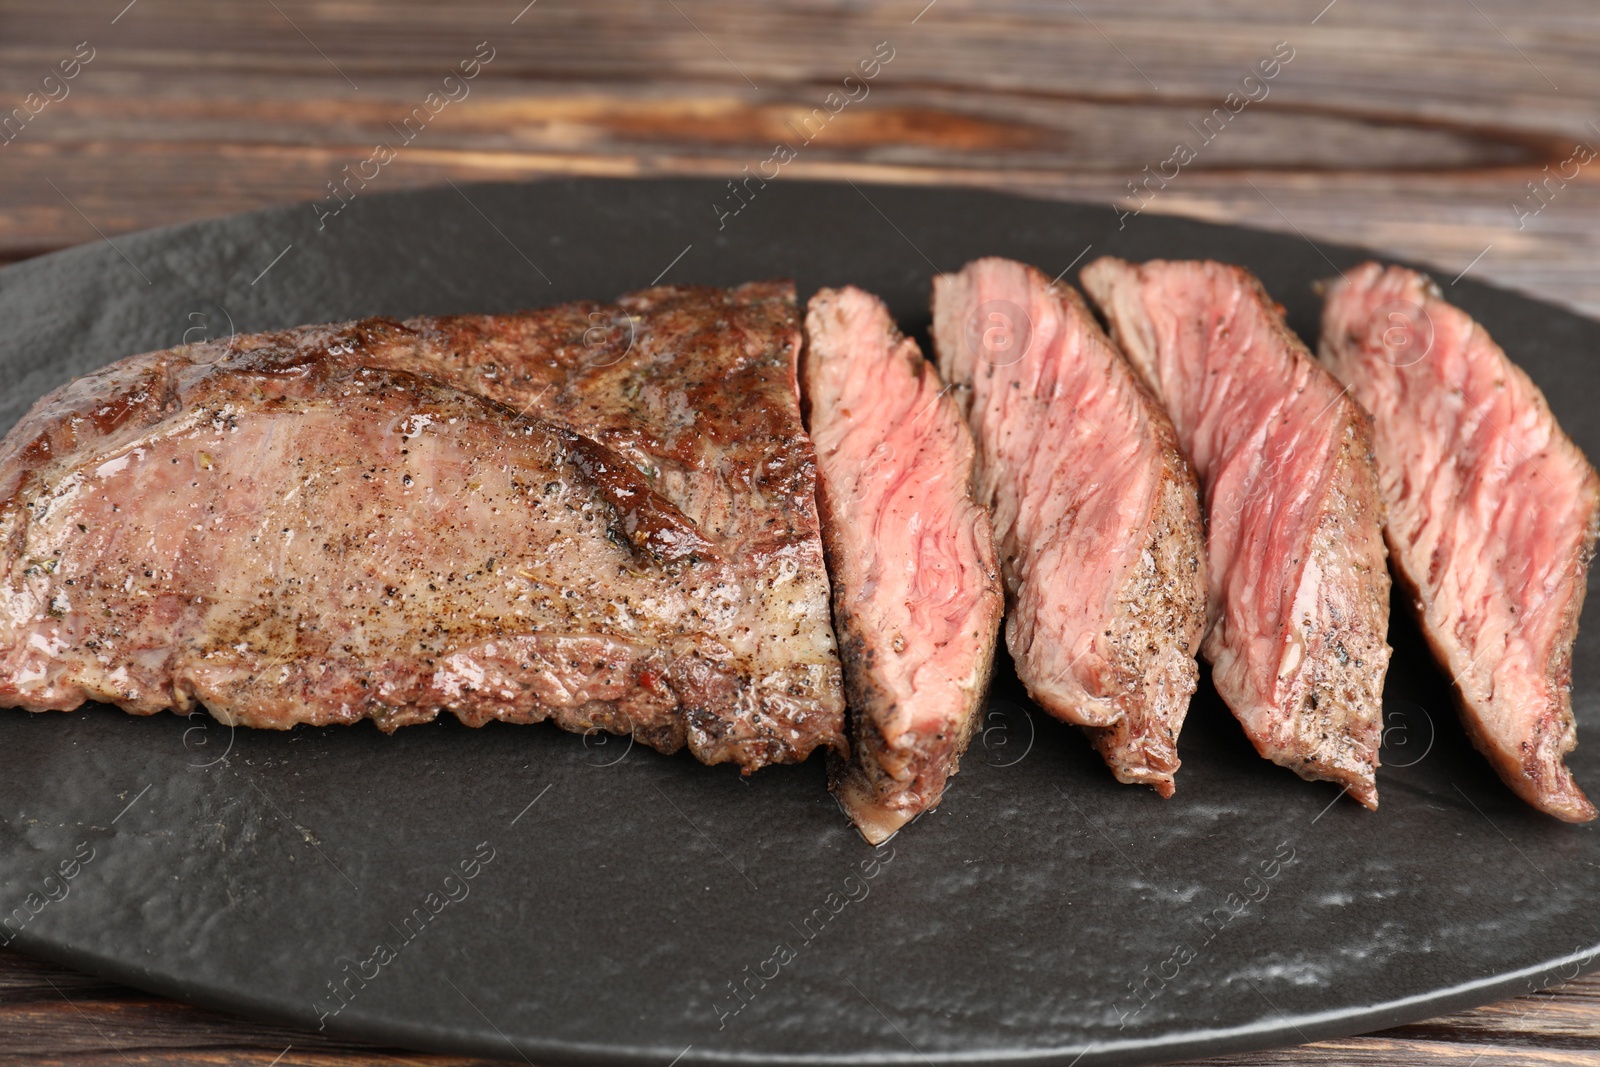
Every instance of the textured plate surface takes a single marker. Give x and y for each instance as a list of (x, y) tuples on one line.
[(636, 907)]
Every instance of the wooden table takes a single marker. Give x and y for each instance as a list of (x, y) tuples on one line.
[(1412, 127), (52, 1016)]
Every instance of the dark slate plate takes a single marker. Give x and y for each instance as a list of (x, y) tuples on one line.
[(1044, 913)]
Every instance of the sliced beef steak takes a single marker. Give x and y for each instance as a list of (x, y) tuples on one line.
[(1095, 512), (916, 588), (1299, 590), (1492, 515), (692, 393)]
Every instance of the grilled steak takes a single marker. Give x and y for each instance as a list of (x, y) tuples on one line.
[(704, 466), (1299, 590), (1492, 516), (916, 589), (696, 386), (1095, 512)]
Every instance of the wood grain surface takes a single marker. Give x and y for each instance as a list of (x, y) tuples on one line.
[(1415, 128), (52, 1016), (1460, 133)]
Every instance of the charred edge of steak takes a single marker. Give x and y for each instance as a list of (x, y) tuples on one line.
[(881, 804), (1161, 609), (774, 724), (1164, 597), (870, 782), (1545, 766), (1540, 777), (1341, 681), (646, 521), (649, 710)]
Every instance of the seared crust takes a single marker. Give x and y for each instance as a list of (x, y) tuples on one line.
[(697, 458), (1337, 731), (1541, 776), (1165, 596), (697, 387), (236, 551), (1339, 689), (884, 786)]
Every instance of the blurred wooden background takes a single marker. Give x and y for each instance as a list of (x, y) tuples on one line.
[(1411, 127), (1461, 133)]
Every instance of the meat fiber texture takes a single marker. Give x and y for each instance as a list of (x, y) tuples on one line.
[(1095, 511), (917, 599), (316, 526), (1298, 582), (1492, 516)]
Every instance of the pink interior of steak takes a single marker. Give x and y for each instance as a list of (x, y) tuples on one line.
[(1298, 584), (1060, 462), (1094, 512), (916, 589), (1492, 515)]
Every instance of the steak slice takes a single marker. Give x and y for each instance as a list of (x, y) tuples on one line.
[(1492, 516), (916, 589), (1095, 512), (693, 392), (1299, 590)]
